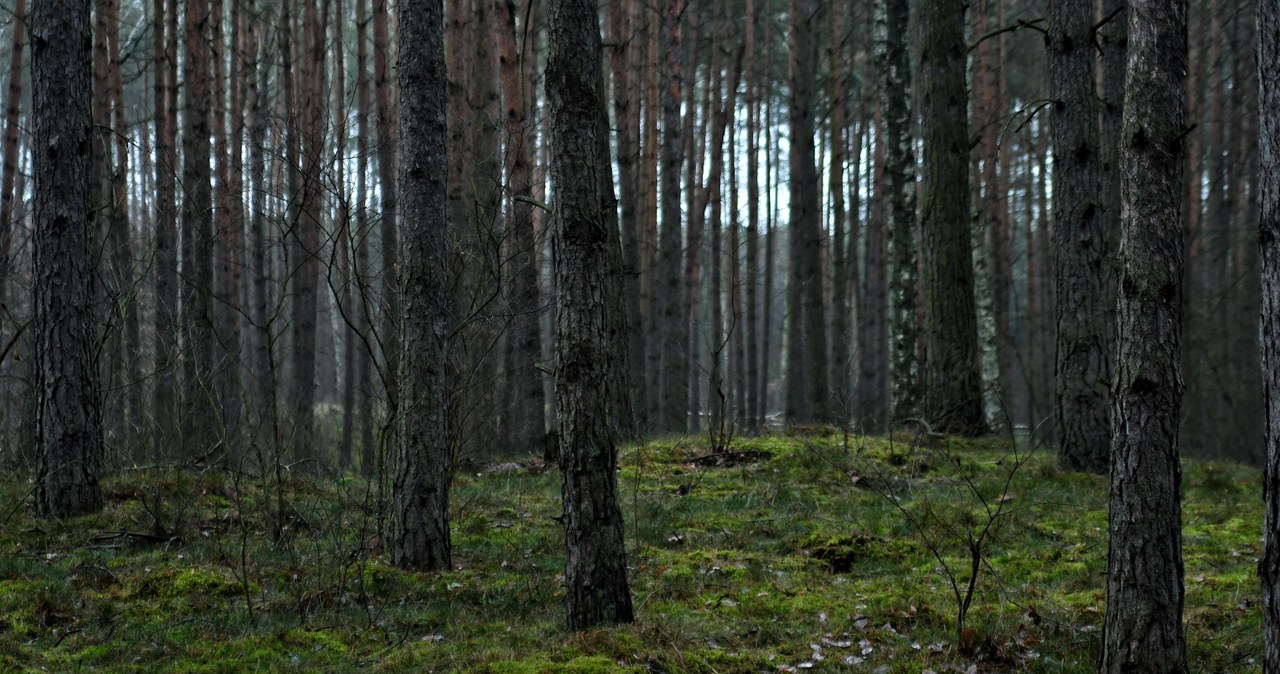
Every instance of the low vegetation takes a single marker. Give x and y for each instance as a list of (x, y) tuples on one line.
[(815, 551)]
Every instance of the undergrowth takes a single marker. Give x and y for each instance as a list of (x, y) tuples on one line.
[(773, 554)]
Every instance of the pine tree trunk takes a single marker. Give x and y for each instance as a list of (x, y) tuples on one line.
[(12, 108), (1080, 257), (365, 313), (387, 134), (199, 412), (753, 325), (1268, 50), (68, 416), (806, 379), (528, 423), (229, 225), (595, 568), (424, 454), (953, 383), (668, 282), (1143, 631)]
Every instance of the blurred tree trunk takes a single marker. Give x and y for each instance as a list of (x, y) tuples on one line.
[(752, 324), (261, 381), (1080, 255), (953, 382), (668, 282), (873, 385), (624, 67), (388, 337), (424, 454), (1143, 631), (842, 333), (344, 240), (68, 415), (528, 423), (12, 109), (305, 240), (806, 379), (900, 165), (695, 150), (199, 413), (365, 314), (229, 224), (1268, 51), (595, 569)]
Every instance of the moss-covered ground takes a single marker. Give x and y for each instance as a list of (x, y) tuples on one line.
[(815, 551)]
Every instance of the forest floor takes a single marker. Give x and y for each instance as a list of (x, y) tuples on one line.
[(815, 552)]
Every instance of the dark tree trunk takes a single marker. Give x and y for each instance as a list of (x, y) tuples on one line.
[(900, 165), (528, 422), (199, 413), (13, 105), (165, 411), (807, 382), (365, 313), (1143, 631), (387, 143), (424, 455), (595, 568), (1080, 258), (953, 383), (1268, 50), (669, 284), (68, 413)]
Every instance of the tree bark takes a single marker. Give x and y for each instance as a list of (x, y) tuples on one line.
[(953, 383), (900, 165), (1143, 631), (420, 526), (595, 568), (1080, 257), (12, 108), (1268, 53), (68, 414)]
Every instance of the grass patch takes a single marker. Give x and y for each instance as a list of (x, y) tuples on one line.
[(779, 553)]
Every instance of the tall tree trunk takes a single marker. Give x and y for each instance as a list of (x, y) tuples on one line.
[(1080, 258), (668, 282), (307, 230), (260, 379), (424, 456), (842, 334), (165, 411), (806, 379), (626, 54), (873, 385), (200, 413), (229, 224), (900, 166), (343, 238), (387, 143), (953, 383), (528, 422), (1143, 631), (1268, 51), (752, 325), (68, 415), (366, 313), (12, 108), (595, 568)]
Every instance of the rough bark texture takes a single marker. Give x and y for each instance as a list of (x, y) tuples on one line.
[(1268, 50), (953, 384), (424, 454), (900, 165), (1080, 260), (807, 387), (387, 143), (1143, 631), (595, 567), (68, 416)]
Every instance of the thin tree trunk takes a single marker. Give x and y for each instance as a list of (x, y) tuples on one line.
[(12, 109), (229, 226), (669, 284), (1143, 630), (387, 143), (595, 568), (752, 325), (366, 312), (1268, 189)]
